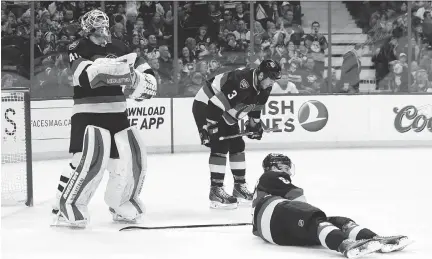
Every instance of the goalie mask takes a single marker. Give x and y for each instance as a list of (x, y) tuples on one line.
[(279, 163), (95, 25)]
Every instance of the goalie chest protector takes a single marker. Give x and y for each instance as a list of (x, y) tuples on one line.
[(84, 50)]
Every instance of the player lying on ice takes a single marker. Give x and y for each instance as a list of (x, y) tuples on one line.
[(101, 137), (282, 216), (217, 108)]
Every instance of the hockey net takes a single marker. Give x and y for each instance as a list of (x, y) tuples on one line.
[(16, 169)]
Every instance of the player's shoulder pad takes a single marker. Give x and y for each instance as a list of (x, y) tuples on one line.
[(241, 76)]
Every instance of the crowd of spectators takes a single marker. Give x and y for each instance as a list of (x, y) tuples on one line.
[(15, 43), (216, 37), (386, 24)]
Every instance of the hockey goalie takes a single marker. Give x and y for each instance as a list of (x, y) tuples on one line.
[(101, 137)]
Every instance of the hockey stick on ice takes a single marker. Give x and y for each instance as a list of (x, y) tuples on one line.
[(185, 226), (243, 134)]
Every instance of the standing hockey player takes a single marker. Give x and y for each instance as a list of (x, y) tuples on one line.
[(282, 216), (217, 107), (101, 137)]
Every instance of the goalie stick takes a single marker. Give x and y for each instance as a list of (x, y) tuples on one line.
[(242, 134), (185, 226)]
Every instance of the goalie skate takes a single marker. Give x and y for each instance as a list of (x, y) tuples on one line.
[(219, 199), (120, 219), (60, 221), (356, 248), (241, 192), (393, 243)]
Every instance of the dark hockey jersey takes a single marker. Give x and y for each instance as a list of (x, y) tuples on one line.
[(276, 184), (232, 96), (273, 185), (109, 99)]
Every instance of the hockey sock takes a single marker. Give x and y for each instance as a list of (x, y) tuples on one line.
[(330, 236), (356, 232), (217, 163), (238, 167)]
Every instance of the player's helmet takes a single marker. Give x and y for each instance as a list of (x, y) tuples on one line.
[(96, 22), (270, 68), (280, 161)]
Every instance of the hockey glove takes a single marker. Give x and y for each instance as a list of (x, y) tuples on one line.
[(209, 133), (254, 127)]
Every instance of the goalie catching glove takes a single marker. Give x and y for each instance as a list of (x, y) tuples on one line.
[(254, 126), (144, 85)]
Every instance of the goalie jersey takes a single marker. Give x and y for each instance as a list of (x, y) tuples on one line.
[(109, 99), (233, 95)]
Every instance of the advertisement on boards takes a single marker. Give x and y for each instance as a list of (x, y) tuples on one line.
[(51, 123), (13, 128), (401, 117), (152, 117), (298, 118)]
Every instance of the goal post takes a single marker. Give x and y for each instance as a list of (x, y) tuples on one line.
[(16, 151)]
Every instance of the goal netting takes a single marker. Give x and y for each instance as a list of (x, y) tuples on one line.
[(16, 178)]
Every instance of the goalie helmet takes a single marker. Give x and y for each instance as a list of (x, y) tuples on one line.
[(280, 161), (95, 24)]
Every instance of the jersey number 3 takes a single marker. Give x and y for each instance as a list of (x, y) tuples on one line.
[(232, 95)]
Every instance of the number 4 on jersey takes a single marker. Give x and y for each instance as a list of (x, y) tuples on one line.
[(73, 56)]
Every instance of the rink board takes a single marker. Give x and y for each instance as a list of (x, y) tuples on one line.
[(167, 125)]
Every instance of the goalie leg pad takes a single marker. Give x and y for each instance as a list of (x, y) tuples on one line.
[(87, 175), (127, 175), (64, 179)]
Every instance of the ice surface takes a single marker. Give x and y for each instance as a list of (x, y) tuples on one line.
[(387, 190)]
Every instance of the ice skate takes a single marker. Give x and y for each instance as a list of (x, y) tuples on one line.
[(219, 199), (58, 220), (121, 219), (242, 194), (393, 243), (356, 248)]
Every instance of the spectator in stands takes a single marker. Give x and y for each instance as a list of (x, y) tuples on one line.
[(259, 33), (288, 88), (165, 64), (331, 83), (398, 78), (195, 85), (203, 37), (212, 21), (351, 68), (242, 35), (317, 44), (278, 49), (382, 11), (117, 32), (240, 15), (311, 82), (191, 45), (421, 83), (186, 57), (228, 22), (152, 48), (295, 73)]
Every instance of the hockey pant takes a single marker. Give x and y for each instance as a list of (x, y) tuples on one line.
[(219, 149)]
